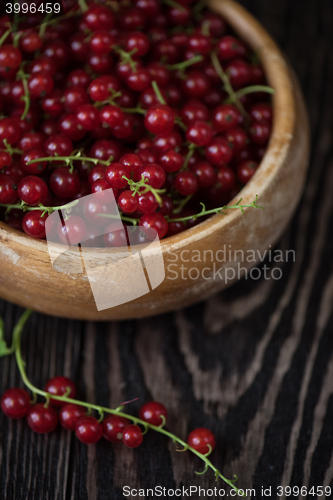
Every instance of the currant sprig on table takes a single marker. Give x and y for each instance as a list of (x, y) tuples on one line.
[(75, 415)]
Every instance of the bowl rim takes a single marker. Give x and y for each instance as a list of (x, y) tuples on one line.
[(284, 117)]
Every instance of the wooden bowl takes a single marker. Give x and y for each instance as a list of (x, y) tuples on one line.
[(27, 277)]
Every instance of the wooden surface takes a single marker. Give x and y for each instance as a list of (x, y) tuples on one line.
[(254, 364)]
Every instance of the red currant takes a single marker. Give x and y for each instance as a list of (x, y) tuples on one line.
[(202, 440), (8, 193), (152, 413), (88, 430), (113, 426), (15, 403), (69, 414), (246, 170), (41, 419), (32, 190), (33, 224), (132, 436), (154, 224), (159, 119), (65, 183), (59, 386), (200, 133)]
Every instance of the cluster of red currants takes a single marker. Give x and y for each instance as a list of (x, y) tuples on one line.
[(43, 418), (143, 91)]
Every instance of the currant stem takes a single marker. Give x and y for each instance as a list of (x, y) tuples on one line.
[(48, 210), (69, 159), (123, 217), (100, 409), (83, 5), (250, 90), (5, 35), (158, 92), (26, 98), (227, 85), (184, 64), (174, 4), (182, 204), (216, 211)]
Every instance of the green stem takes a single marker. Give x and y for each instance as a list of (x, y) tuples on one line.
[(227, 85), (100, 409), (250, 90), (216, 211), (123, 217), (16, 18), (44, 24), (158, 92), (83, 5), (26, 98), (182, 204), (5, 35), (174, 4), (198, 8), (189, 155), (69, 159), (48, 210), (184, 64), (144, 187)]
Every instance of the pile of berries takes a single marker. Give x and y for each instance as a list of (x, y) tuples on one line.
[(43, 418), (157, 101)]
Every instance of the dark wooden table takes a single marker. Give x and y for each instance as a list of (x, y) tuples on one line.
[(254, 363)]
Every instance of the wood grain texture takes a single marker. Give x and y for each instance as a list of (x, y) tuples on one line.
[(254, 363)]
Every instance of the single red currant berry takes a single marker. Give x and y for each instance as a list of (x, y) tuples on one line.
[(202, 440), (40, 84), (154, 175), (41, 419), (72, 231), (74, 97), (196, 84), (9, 130), (261, 111), (147, 202), (239, 72), (33, 224), (128, 202), (205, 173), (218, 152), (59, 386), (113, 426), (58, 145), (88, 430), (87, 116), (154, 224), (159, 119), (171, 161), (226, 179), (230, 47), (5, 159), (15, 172), (137, 41), (43, 63), (115, 173), (78, 77), (167, 205), (186, 183), (8, 193), (164, 142), (152, 412), (10, 57), (33, 154), (134, 162), (112, 238), (15, 403), (102, 87), (32, 190), (103, 192), (260, 132), (65, 183), (111, 115), (106, 150), (159, 74), (69, 414), (30, 42), (99, 17), (132, 436), (237, 138), (246, 170), (138, 80), (225, 117), (199, 44), (194, 111), (147, 156), (101, 42), (200, 133)]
